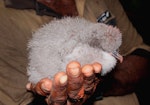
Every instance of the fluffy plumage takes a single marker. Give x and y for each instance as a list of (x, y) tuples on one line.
[(72, 38)]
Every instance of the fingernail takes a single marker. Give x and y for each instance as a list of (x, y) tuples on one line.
[(63, 80), (87, 70), (74, 72), (28, 86), (97, 67), (46, 86), (73, 69)]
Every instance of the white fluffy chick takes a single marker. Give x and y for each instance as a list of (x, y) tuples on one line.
[(57, 43)]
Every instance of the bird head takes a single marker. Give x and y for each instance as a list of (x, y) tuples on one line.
[(108, 38)]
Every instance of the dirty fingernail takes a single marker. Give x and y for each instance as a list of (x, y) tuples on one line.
[(73, 68), (87, 70)]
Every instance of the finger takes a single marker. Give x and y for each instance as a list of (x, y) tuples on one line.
[(89, 77), (43, 87), (97, 67), (29, 86), (75, 82), (58, 94), (97, 70)]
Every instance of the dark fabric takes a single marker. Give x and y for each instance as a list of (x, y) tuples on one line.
[(141, 52), (40, 9), (20, 4), (143, 91), (38, 100)]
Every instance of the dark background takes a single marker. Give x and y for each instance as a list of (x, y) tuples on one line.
[(138, 12)]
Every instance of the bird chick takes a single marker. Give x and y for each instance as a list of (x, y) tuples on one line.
[(57, 43)]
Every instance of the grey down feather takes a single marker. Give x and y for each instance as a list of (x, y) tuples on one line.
[(57, 43)]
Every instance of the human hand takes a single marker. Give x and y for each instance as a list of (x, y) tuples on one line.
[(72, 87)]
